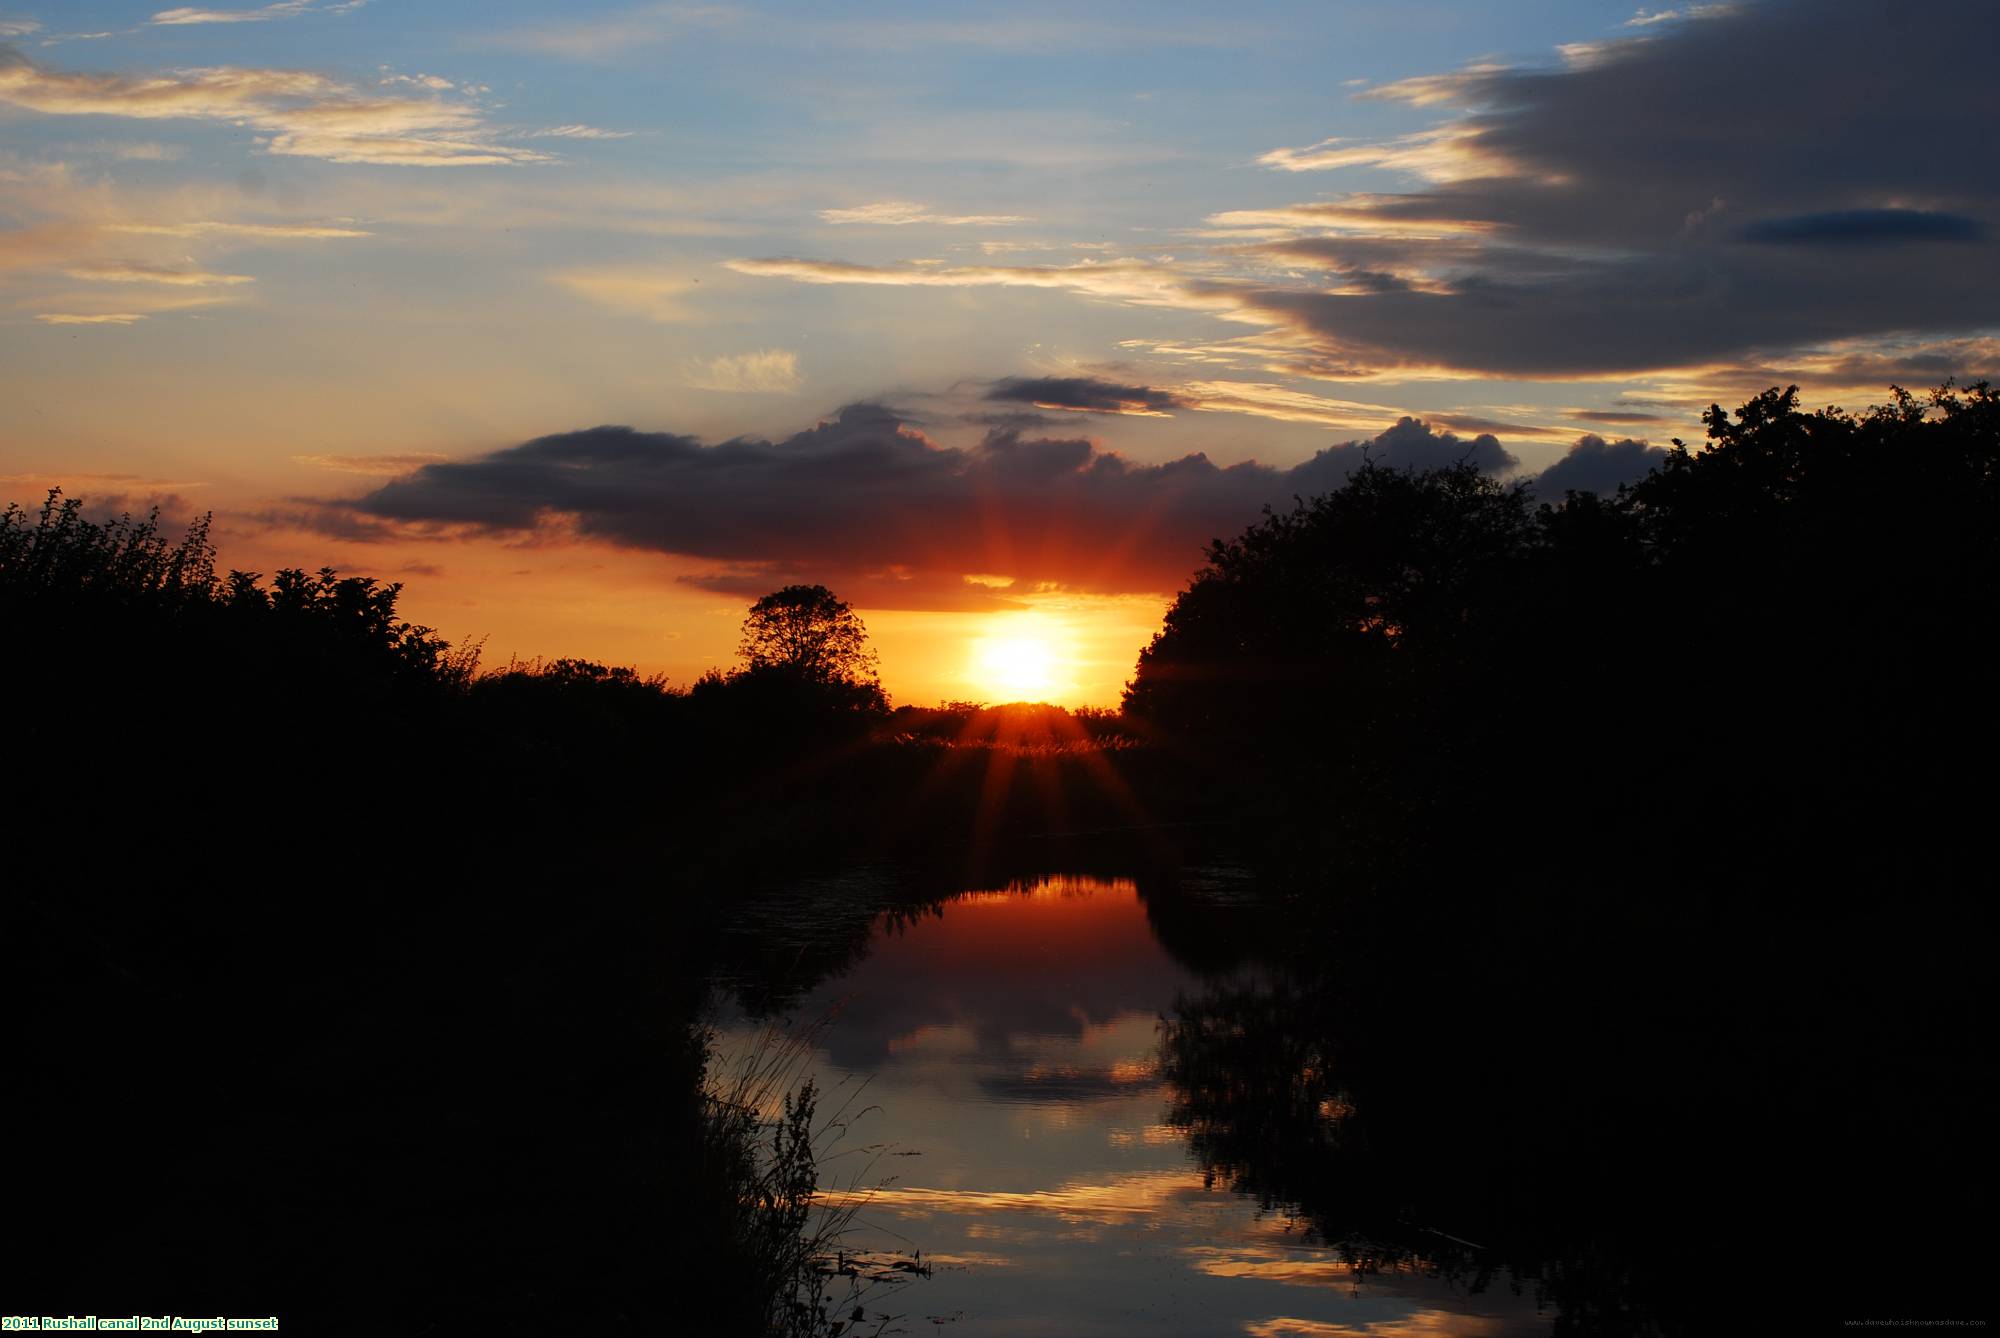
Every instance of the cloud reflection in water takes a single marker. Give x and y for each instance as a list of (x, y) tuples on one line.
[(1010, 1046)]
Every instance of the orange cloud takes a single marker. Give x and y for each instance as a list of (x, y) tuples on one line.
[(380, 466), (901, 213), (1266, 400), (653, 294), (130, 271), (1117, 1199), (1430, 90), (258, 231), (1354, 214), (1137, 281), (1422, 1324), (1444, 153), (770, 371)]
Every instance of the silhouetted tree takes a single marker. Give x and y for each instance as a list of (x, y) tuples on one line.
[(1319, 597), (809, 631), (1420, 666)]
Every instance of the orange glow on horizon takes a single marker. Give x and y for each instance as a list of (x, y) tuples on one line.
[(1067, 650), (621, 607)]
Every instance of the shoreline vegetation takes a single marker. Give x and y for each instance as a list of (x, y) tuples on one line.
[(1631, 852)]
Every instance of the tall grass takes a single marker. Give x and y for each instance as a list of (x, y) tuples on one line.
[(766, 1144)]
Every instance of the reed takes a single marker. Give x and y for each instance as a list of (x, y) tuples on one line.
[(769, 1140)]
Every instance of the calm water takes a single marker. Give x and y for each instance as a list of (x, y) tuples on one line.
[(1000, 1065)]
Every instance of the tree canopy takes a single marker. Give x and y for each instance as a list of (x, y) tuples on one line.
[(1771, 625), (809, 631)]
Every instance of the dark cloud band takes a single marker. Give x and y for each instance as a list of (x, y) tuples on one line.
[(1866, 227), (1084, 394), (867, 501)]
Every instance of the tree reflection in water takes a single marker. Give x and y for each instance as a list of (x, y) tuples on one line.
[(1650, 1147), (1651, 1114), (1254, 1082)]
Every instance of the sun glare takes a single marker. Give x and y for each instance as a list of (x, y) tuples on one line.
[(1015, 663)]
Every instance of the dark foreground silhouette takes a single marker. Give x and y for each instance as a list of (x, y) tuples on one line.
[(1630, 856)]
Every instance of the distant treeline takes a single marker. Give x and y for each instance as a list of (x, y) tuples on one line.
[(132, 644), (1776, 637)]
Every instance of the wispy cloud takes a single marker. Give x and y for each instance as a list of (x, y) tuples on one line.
[(254, 231), (770, 371), (1446, 153), (1615, 416), (145, 240), (1648, 18), (127, 303), (1264, 399), (901, 213), (377, 466), (579, 132), (56, 39), (131, 271), (1429, 90), (283, 9), (436, 83), (300, 113), (1853, 370), (10, 27), (1137, 281), (611, 35), (190, 14), (631, 290), (1089, 394), (1352, 214), (132, 150)]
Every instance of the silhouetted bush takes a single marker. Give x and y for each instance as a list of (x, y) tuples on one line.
[(362, 926), (122, 637)]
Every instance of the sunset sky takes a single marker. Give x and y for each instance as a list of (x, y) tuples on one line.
[(592, 322)]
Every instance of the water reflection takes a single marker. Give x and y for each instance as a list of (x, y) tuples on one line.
[(1011, 1044)]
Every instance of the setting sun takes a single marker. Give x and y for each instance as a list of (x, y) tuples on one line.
[(1015, 663)]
